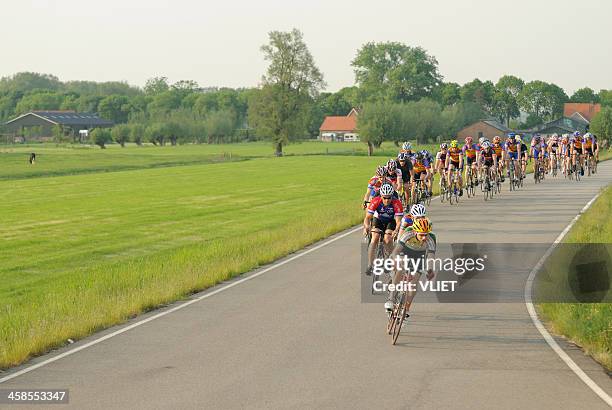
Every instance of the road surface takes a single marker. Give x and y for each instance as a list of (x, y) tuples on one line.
[(299, 336)]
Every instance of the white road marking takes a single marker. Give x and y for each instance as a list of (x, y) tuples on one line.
[(536, 321), (174, 309)]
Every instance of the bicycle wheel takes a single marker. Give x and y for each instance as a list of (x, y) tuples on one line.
[(399, 319)]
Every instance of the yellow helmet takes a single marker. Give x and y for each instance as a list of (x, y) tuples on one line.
[(454, 144), (421, 225)]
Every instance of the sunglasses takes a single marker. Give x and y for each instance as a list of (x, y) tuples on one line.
[(386, 197)]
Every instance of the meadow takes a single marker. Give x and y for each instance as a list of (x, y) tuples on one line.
[(92, 248), (589, 325)]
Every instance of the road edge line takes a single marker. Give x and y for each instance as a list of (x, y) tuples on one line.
[(175, 308), (538, 324)]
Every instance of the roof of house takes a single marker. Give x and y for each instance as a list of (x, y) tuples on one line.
[(67, 118), (492, 123), (340, 123), (497, 124), (566, 124), (587, 110)]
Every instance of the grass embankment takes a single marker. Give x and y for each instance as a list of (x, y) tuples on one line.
[(589, 325), (84, 252), (55, 160)]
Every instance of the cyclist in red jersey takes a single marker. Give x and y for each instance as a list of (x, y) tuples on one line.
[(383, 217)]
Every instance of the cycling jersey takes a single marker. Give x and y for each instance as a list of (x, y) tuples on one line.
[(470, 150), (486, 156), (578, 142), (409, 245), (554, 147), (497, 148), (405, 169), (455, 154), (385, 213), (588, 143), (523, 150), (511, 147), (441, 155), (420, 166), (397, 174)]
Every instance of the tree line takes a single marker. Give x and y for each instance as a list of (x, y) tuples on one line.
[(398, 89)]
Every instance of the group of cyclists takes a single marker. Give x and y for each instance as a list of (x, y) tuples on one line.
[(405, 183)]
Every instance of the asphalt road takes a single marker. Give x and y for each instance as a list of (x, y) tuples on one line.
[(299, 336)]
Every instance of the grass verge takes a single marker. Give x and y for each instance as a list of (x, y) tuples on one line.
[(589, 325)]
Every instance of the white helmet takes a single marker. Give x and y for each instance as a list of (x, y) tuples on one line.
[(406, 146), (486, 145), (418, 210), (386, 189)]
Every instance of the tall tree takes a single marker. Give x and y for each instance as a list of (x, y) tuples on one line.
[(396, 72), (605, 98), (481, 93), (584, 95), (156, 85), (507, 90), (542, 100), (115, 108), (291, 82)]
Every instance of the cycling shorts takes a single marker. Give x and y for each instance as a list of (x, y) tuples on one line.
[(470, 161), (455, 164), (512, 155), (384, 225), (578, 150), (418, 175)]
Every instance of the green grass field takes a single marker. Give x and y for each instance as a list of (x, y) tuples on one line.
[(84, 252), (55, 160), (587, 324)]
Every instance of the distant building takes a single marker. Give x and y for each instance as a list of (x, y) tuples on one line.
[(38, 125), (584, 110), (483, 128), (339, 128), (561, 126)]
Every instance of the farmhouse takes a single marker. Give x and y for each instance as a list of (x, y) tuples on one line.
[(38, 125), (339, 128)]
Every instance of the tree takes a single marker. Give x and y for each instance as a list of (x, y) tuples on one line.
[(585, 95), (137, 133), (39, 100), (605, 98), (507, 90), (115, 108), (447, 93), (156, 85), (376, 124), (121, 134), (101, 137), (394, 71), (291, 82), (481, 93), (541, 99), (601, 124)]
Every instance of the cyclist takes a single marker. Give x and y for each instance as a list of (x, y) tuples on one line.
[(488, 160), (404, 164), (407, 149), (537, 151), (374, 185), (469, 151), (588, 145), (421, 169), (553, 151), (513, 151), (565, 152), (383, 217), (454, 160), (523, 155), (419, 243), (499, 153), (394, 174), (416, 211), (576, 149), (440, 161), (430, 160)]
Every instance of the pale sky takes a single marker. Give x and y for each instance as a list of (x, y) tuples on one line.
[(216, 43)]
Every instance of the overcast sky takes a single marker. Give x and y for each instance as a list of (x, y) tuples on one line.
[(216, 43)]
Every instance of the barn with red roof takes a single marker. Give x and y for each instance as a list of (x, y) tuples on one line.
[(339, 128)]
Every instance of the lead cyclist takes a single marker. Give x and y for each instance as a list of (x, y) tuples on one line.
[(417, 244)]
